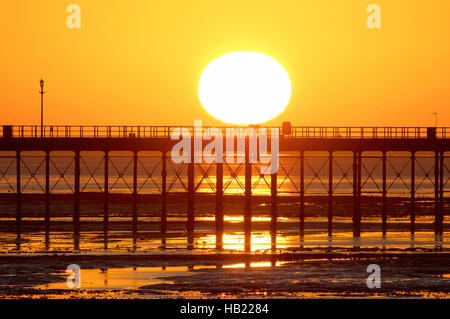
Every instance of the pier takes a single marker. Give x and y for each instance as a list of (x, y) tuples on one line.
[(297, 145)]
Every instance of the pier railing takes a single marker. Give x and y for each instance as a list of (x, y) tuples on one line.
[(72, 131)]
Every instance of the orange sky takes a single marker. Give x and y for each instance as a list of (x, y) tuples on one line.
[(139, 62)]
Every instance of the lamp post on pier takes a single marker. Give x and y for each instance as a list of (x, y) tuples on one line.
[(42, 107), (435, 118)]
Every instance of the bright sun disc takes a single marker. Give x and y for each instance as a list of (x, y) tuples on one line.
[(244, 87)]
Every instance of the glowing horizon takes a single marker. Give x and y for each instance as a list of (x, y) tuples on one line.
[(139, 63)]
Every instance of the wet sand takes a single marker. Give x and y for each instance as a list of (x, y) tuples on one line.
[(305, 275), (121, 263)]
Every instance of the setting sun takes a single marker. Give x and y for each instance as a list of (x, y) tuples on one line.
[(244, 87)]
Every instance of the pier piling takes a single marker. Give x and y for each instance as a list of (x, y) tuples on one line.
[(437, 221), (413, 191), (47, 192), (302, 195), (191, 198), (135, 191), (248, 197), (163, 225), (106, 192), (330, 194), (273, 211), (219, 206), (441, 192), (76, 211), (19, 192), (384, 194)]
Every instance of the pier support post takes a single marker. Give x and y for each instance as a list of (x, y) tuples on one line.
[(76, 211), (248, 197), (106, 191), (384, 193), (135, 191), (219, 205), (330, 193), (413, 191), (302, 195), (191, 198), (106, 200), (19, 193), (436, 192), (356, 193), (441, 192), (47, 192), (359, 191), (163, 225), (273, 211)]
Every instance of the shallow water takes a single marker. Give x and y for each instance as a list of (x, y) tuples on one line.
[(419, 265), (288, 238)]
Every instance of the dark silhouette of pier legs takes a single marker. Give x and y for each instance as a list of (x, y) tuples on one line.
[(76, 211), (356, 194), (19, 202), (302, 196), (248, 198), (191, 198), (47, 240), (105, 202), (135, 191), (76, 241), (273, 211), (219, 206), (437, 221), (163, 225), (47, 192), (47, 201), (390, 140), (413, 191), (330, 194), (384, 193), (163, 241), (438, 237), (441, 192), (359, 193)]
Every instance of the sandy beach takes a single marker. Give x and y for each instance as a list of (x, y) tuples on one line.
[(121, 263)]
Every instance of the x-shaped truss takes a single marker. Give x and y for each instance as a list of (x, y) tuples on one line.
[(3, 173), (370, 173), (398, 175), (316, 173), (149, 179), (344, 174), (62, 174), (32, 174), (426, 174), (205, 177), (92, 174), (120, 173), (177, 177), (261, 177), (288, 176), (234, 176)]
